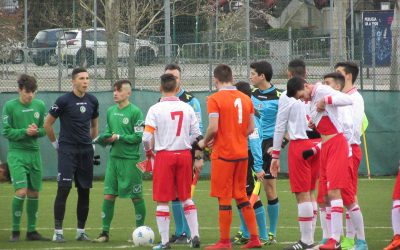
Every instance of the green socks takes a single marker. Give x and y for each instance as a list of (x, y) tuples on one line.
[(107, 214), (32, 205), (140, 212), (17, 207)]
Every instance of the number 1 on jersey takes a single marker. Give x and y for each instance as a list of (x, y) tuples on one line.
[(180, 114), (238, 105)]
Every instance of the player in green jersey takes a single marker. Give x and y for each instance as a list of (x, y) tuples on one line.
[(22, 125), (124, 133)]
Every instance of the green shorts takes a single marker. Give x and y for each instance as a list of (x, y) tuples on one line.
[(25, 169), (123, 178)]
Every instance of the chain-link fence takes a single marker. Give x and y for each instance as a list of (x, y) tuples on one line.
[(50, 49)]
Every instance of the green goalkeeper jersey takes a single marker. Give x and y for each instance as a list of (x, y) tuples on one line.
[(16, 119), (128, 124)]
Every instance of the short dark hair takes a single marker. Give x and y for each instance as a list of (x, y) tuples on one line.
[(339, 78), (172, 66), (118, 84), (244, 87), (27, 82), (349, 67), (168, 82), (294, 85), (263, 67), (223, 73), (297, 67), (77, 71)]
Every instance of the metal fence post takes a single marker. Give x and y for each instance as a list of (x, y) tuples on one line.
[(59, 64), (167, 30), (290, 42), (247, 16), (95, 43), (25, 36), (373, 44), (331, 34), (352, 28)]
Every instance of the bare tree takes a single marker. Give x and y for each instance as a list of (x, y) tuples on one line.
[(395, 65)]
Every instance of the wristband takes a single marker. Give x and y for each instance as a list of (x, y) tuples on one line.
[(199, 157), (55, 144), (275, 154)]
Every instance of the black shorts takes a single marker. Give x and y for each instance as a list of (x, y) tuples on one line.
[(75, 162), (267, 158), (251, 179)]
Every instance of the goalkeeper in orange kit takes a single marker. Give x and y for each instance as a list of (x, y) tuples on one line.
[(230, 123)]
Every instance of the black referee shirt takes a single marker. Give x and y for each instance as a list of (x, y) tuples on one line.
[(75, 115)]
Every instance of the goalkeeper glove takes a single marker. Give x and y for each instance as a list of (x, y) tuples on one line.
[(310, 152), (96, 160)]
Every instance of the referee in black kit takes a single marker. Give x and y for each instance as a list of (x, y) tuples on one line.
[(78, 112)]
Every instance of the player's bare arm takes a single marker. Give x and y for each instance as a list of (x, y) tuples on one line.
[(94, 127), (211, 132), (275, 167), (48, 127), (250, 128)]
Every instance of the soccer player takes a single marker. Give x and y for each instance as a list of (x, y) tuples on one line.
[(335, 169), (171, 129), (22, 126), (265, 98), (350, 72), (230, 123), (124, 133), (395, 243), (182, 231), (254, 173), (292, 117), (78, 112), (337, 81)]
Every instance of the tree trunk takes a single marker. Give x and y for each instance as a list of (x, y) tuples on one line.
[(395, 64), (132, 41), (112, 11)]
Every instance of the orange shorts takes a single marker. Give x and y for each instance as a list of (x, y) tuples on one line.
[(228, 178)]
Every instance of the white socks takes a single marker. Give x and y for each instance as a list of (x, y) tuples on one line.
[(306, 217), (396, 217), (162, 217), (322, 219), (337, 218), (315, 218), (190, 211), (350, 232), (357, 222)]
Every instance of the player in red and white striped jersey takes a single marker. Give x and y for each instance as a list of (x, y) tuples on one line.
[(354, 217), (335, 165), (171, 127), (291, 117)]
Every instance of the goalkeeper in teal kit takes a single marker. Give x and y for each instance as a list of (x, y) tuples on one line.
[(22, 125), (124, 133)]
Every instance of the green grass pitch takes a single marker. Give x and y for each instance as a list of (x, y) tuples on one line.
[(374, 196)]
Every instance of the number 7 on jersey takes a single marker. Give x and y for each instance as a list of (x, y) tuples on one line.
[(180, 118)]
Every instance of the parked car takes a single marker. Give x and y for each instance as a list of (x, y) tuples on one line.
[(71, 48), (44, 46), (11, 51)]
